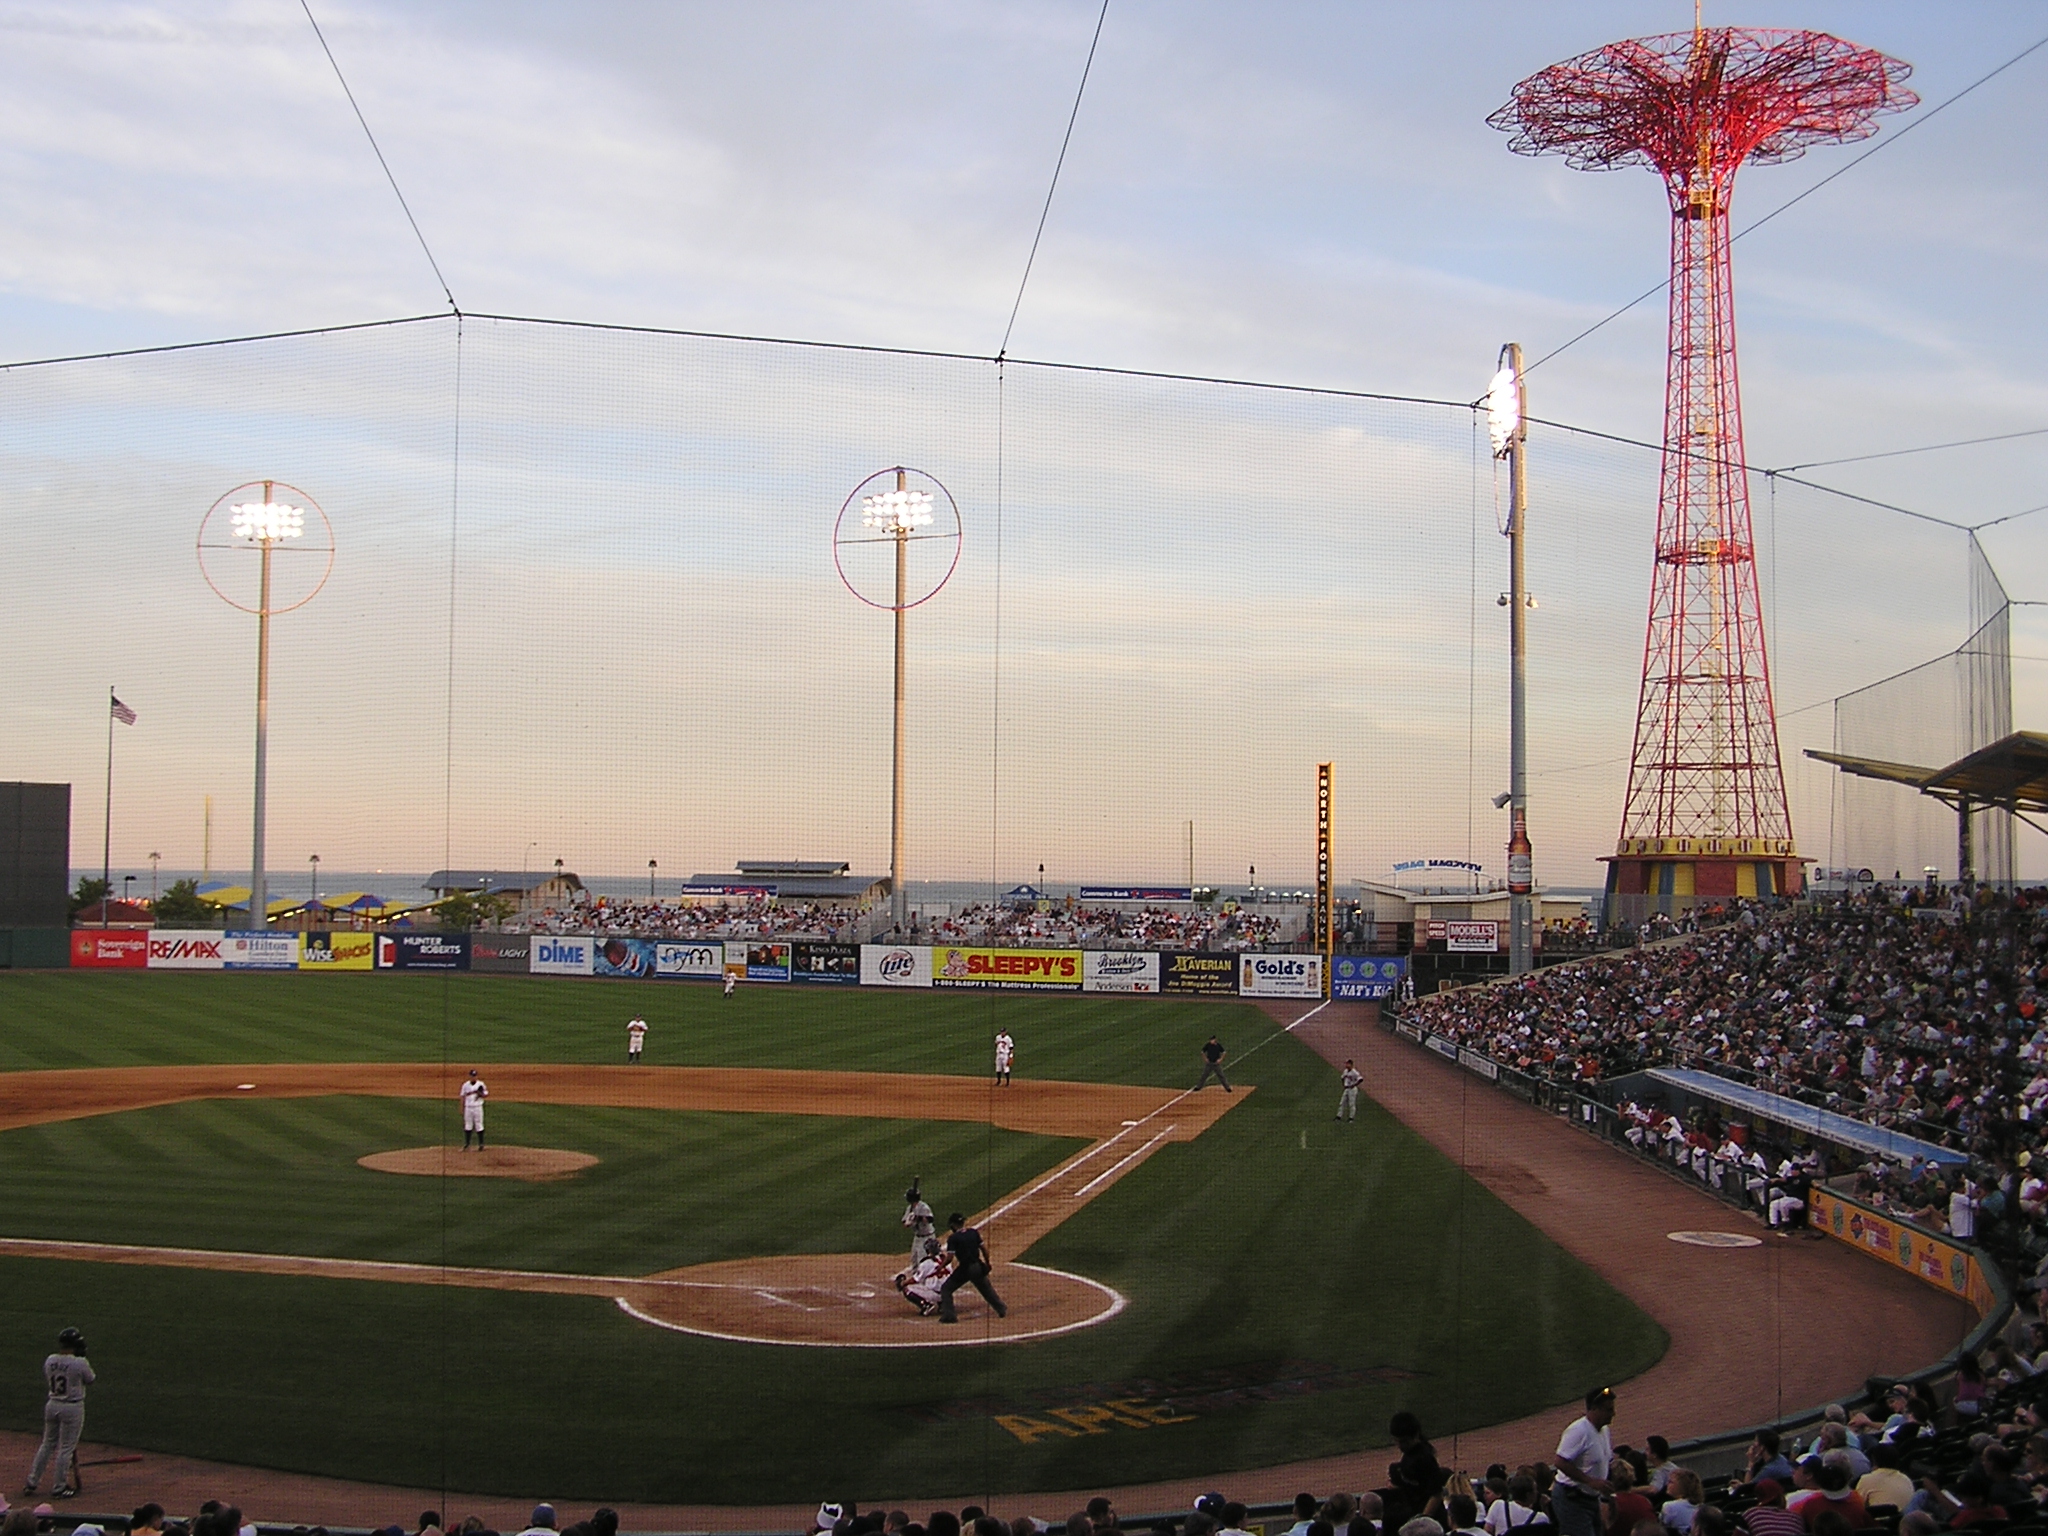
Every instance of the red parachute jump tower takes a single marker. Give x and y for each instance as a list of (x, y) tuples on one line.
[(1706, 813)]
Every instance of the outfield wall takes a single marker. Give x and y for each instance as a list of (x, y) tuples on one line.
[(937, 967)]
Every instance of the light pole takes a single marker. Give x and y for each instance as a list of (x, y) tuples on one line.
[(1252, 879), (127, 892), (650, 879), (526, 876), (1508, 427), (263, 527), (313, 859), (152, 877), (897, 517)]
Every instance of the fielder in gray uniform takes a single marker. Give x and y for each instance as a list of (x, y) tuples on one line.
[(67, 1376)]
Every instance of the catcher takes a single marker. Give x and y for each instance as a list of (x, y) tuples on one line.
[(920, 1284)]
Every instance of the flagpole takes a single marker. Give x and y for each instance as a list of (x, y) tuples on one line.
[(107, 841)]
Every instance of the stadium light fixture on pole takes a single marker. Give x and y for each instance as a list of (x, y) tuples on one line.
[(264, 527), (313, 860), (898, 515), (650, 879), (1508, 428), (153, 858)]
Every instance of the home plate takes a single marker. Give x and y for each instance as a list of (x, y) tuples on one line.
[(1716, 1239), (862, 1295), (244, 1087)]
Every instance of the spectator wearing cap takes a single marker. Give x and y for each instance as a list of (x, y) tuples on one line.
[(1769, 1516), (542, 1522)]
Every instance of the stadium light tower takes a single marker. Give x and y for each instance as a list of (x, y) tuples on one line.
[(1507, 422), (897, 517), (1705, 813), (263, 527)]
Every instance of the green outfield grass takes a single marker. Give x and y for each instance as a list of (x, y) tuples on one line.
[(1292, 1282)]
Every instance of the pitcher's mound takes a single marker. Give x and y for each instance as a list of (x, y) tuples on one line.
[(537, 1165)]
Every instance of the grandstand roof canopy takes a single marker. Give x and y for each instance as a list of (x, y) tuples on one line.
[(508, 882), (1822, 1123), (2012, 772)]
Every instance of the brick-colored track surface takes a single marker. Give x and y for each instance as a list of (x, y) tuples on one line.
[(1793, 1322)]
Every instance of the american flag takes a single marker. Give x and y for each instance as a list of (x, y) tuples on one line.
[(122, 712)]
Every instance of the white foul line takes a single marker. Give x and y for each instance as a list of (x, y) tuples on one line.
[(1112, 1172)]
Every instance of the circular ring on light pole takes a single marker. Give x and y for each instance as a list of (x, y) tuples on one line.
[(213, 537), (941, 499)]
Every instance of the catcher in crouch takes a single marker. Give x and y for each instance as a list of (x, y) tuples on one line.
[(920, 1284)]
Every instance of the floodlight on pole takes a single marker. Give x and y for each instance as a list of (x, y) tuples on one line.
[(1508, 429), (898, 515), (264, 525)]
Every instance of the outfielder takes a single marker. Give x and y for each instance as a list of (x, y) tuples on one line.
[(731, 980), (473, 1095), (67, 1376), (918, 1217), (1006, 1053), (636, 1036), (1347, 1101)]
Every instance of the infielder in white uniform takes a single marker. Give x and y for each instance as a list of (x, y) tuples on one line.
[(1006, 1053), (67, 1376), (1347, 1101), (473, 1095), (636, 1036)]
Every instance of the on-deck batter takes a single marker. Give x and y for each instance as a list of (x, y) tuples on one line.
[(67, 1376)]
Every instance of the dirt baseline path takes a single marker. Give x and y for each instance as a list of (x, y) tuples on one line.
[(803, 1299)]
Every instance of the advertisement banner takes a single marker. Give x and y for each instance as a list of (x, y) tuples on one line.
[(422, 951), (338, 951), (1485, 1066), (1280, 975), (767, 961), (1471, 938), (1037, 969), (704, 960), (691, 893), (259, 949), (558, 955), (110, 949), (895, 965), (615, 956), (1354, 977), (736, 959), (835, 963), (500, 952), (1937, 1261), (1442, 1046), (1408, 1032), (1135, 893), (1119, 970), (186, 951), (1198, 975)]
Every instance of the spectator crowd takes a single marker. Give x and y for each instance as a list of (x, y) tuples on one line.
[(1064, 927), (757, 918)]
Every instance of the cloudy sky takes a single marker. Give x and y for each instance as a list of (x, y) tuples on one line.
[(1299, 194)]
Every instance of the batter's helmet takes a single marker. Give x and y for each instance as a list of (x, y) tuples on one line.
[(72, 1339)]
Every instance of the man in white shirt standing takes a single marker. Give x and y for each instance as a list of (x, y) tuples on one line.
[(1583, 1454)]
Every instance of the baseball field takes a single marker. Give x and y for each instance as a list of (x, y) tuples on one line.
[(670, 1282)]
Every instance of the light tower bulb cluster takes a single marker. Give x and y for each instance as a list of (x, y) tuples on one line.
[(267, 522), (896, 511), (1503, 410)]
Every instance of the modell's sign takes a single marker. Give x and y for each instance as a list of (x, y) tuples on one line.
[(176, 951), (1472, 938), (1057, 969)]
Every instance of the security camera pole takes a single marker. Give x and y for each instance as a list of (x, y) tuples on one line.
[(1507, 421)]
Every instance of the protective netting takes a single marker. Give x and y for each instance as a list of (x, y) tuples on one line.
[(1930, 716), (585, 609)]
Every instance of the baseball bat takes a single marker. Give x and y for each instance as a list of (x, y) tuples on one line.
[(110, 1461)]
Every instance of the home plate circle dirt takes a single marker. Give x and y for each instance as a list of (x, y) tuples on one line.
[(850, 1299), (536, 1165)]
